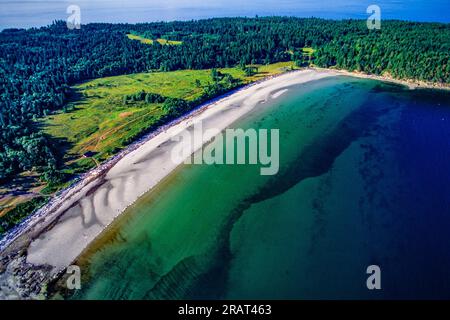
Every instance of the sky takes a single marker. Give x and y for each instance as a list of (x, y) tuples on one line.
[(32, 13)]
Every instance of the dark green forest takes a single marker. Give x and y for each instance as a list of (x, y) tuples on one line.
[(38, 66)]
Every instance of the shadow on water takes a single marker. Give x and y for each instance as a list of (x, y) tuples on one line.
[(315, 160), (206, 276), (188, 279)]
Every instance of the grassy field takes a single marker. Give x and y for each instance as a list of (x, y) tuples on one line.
[(100, 121), (150, 41), (308, 51)]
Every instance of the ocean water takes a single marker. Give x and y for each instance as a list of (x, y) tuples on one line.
[(364, 180), (36, 13)]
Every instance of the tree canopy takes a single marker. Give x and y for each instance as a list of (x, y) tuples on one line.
[(38, 66)]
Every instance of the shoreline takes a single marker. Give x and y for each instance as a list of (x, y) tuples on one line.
[(57, 234), (54, 236), (410, 83), (95, 173)]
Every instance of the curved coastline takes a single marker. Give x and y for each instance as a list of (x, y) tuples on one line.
[(57, 233)]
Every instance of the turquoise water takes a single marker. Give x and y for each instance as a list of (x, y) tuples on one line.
[(364, 179)]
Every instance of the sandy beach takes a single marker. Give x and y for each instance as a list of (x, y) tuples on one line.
[(56, 234)]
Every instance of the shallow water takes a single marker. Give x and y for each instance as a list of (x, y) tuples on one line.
[(364, 179)]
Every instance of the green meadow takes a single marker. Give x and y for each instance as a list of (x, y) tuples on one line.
[(308, 51), (99, 120), (150, 41)]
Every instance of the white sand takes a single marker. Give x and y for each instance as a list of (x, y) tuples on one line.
[(278, 93), (82, 214)]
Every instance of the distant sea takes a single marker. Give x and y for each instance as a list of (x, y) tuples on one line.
[(35, 13)]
